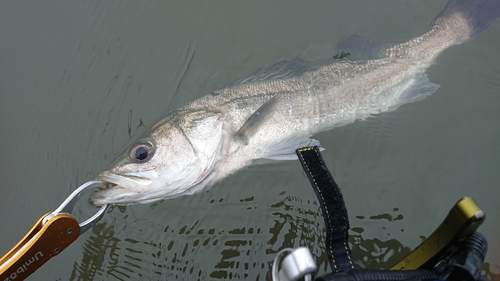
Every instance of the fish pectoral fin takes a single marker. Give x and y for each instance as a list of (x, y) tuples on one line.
[(285, 150), (359, 47), (256, 120)]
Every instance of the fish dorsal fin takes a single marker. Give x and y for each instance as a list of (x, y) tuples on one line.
[(359, 47), (281, 70), (256, 120)]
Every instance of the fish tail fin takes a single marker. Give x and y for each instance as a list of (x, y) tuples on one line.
[(467, 18), (458, 22)]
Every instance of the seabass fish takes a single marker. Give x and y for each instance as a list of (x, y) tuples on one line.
[(274, 112)]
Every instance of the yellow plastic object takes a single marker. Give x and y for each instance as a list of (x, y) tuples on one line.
[(44, 241), (462, 221)]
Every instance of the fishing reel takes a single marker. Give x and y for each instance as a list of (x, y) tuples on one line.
[(296, 264), (454, 251), (464, 264)]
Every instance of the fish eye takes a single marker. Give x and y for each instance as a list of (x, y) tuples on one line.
[(141, 151)]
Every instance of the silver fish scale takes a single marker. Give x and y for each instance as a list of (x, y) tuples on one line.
[(318, 100)]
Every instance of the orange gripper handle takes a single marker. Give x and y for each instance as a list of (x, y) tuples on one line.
[(43, 242)]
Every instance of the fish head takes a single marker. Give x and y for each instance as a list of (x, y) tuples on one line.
[(176, 157)]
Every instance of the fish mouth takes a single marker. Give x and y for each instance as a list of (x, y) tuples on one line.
[(123, 189), (134, 181)]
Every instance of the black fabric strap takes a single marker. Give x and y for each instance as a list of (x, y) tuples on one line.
[(333, 208)]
